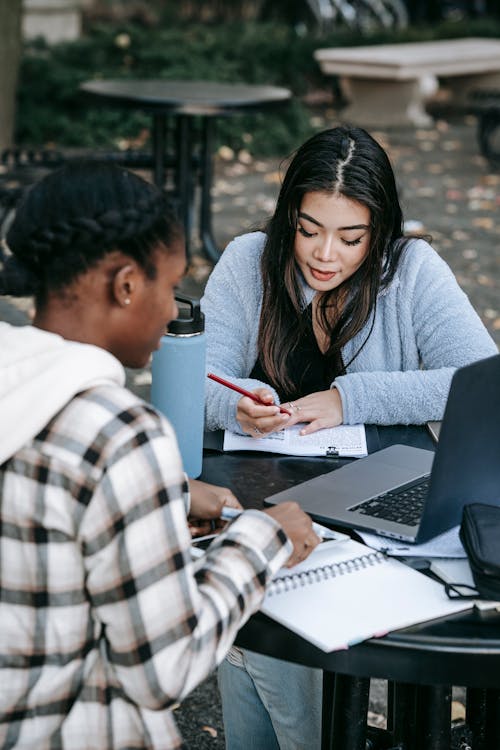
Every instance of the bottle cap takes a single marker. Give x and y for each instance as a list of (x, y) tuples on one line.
[(190, 320)]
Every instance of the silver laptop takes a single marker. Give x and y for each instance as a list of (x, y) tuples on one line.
[(414, 494)]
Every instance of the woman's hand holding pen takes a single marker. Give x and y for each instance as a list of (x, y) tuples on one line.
[(258, 415), (260, 419), (317, 410)]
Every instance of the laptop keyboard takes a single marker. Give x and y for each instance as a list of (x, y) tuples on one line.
[(403, 505)]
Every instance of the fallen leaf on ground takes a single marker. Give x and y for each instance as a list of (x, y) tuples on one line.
[(273, 178), (485, 222), (376, 720), (209, 730), (226, 153), (485, 280), (469, 253), (457, 711), (244, 156)]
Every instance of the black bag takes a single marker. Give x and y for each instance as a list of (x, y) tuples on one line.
[(480, 535)]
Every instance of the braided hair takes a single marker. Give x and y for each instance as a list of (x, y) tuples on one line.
[(72, 218)]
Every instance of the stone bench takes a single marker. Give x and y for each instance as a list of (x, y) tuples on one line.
[(388, 84)]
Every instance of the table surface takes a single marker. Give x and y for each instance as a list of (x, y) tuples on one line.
[(460, 650), (206, 98)]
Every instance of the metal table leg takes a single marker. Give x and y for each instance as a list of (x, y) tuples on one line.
[(327, 710), (183, 174), (350, 710), (159, 142), (206, 178), (475, 716), (492, 734), (433, 717), (401, 714)]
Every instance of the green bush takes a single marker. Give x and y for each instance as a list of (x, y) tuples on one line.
[(51, 110)]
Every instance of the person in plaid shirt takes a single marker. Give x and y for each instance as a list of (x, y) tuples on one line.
[(105, 620)]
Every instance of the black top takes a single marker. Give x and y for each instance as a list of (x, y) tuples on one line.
[(310, 369)]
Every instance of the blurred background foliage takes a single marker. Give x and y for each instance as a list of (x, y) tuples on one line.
[(218, 40)]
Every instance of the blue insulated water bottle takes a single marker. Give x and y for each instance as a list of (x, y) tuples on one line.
[(178, 381)]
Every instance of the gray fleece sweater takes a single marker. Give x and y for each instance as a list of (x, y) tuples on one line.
[(425, 327)]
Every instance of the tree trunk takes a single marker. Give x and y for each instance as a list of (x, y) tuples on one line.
[(10, 55)]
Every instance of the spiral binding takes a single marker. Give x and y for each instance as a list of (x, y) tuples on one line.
[(283, 583)]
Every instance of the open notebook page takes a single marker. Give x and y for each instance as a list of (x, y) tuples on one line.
[(344, 440), (346, 592)]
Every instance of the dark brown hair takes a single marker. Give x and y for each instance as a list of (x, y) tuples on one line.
[(349, 162), (71, 218)]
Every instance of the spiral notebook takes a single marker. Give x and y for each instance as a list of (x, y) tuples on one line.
[(345, 593)]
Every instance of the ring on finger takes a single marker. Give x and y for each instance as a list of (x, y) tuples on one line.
[(293, 406), (257, 431)]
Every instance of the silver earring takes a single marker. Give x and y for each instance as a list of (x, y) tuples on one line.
[(126, 301)]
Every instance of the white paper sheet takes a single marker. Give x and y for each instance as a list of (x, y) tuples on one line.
[(447, 544), (343, 441)]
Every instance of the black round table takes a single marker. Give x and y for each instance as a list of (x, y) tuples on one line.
[(420, 663), (185, 102)]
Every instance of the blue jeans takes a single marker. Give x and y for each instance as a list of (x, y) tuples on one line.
[(269, 704)]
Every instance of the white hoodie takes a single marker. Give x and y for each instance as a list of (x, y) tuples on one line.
[(40, 373)]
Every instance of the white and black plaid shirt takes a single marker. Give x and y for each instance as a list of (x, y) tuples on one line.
[(105, 622)]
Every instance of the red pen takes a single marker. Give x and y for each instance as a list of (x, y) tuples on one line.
[(243, 392)]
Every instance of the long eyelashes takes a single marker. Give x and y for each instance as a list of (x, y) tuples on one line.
[(349, 243), (304, 232)]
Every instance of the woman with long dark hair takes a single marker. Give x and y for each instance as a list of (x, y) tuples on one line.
[(332, 308), (334, 311)]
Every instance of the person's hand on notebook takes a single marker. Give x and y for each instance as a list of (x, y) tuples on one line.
[(297, 525), (319, 410), (260, 419)]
